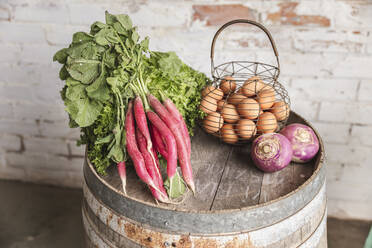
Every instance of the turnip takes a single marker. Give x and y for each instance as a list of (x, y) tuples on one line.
[(303, 140), (271, 152)]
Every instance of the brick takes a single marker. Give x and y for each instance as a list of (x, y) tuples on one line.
[(365, 90), (42, 12), (309, 40), (350, 191), (158, 14), (334, 171), (346, 112), (57, 178), (19, 33), (319, 89), (287, 15), (347, 154), (43, 161), (350, 64), (42, 54), (361, 135), (349, 209), (59, 129), (35, 111), (332, 132), (14, 92), (92, 13), (9, 53), (7, 172), (62, 34), (5, 12), (251, 38), (307, 109), (299, 64), (219, 14), (41, 145), (21, 73), (6, 110), (350, 14), (25, 127), (10, 142), (76, 150)]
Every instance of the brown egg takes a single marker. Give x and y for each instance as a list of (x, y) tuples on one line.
[(220, 104), (235, 98), (228, 134), (249, 108), (213, 122), (266, 98), (280, 110), (228, 85), (213, 92), (246, 128), (229, 113), (252, 86), (208, 104), (267, 123)]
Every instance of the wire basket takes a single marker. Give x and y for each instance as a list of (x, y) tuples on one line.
[(245, 98)]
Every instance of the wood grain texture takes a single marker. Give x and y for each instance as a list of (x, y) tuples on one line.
[(305, 228), (241, 182)]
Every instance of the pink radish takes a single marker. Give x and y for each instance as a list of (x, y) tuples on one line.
[(172, 109), (158, 142), (151, 168), (132, 148), (123, 175), (175, 127), (170, 140), (141, 121)]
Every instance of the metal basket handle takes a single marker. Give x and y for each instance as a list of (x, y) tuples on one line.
[(248, 22)]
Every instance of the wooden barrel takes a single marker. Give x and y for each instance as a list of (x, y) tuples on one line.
[(236, 205)]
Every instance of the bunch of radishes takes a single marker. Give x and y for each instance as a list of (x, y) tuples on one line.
[(166, 133), (237, 112)]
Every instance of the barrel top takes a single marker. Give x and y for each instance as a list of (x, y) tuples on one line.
[(225, 177)]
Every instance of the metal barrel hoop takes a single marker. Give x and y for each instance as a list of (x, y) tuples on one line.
[(247, 22)]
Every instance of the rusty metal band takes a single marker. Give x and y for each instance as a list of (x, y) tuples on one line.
[(106, 229), (222, 221)]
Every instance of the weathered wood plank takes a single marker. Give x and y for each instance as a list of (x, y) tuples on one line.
[(241, 185), (208, 157), (302, 172), (241, 182), (277, 184)]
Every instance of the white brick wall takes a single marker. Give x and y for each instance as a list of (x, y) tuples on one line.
[(325, 54)]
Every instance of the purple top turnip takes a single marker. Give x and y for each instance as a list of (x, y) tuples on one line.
[(305, 144), (271, 152)]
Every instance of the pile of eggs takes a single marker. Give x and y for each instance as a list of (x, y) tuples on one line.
[(236, 111)]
